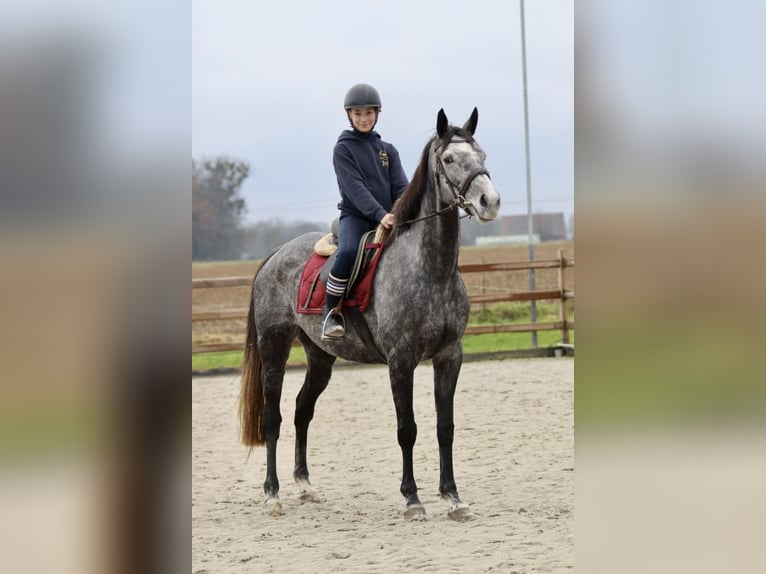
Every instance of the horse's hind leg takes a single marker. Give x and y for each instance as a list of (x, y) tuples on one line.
[(446, 370), (274, 346), (318, 374)]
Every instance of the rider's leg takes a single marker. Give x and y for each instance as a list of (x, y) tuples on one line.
[(350, 231)]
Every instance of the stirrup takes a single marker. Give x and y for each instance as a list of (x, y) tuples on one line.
[(337, 334)]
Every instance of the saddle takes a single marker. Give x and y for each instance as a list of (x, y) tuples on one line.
[(312, 286)]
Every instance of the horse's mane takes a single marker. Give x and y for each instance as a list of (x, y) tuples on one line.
[(407, 206)]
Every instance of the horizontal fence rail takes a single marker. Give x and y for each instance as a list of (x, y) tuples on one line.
[(562, 295)]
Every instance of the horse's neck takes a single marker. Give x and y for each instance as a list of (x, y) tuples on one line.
[(436, 240)]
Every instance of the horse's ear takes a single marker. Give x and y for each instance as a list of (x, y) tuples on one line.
[(441, 123), (470, 125)]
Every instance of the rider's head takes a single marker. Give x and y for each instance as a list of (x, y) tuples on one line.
[(362, 105)]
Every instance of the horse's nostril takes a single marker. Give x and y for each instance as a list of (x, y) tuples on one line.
[(483, 201)]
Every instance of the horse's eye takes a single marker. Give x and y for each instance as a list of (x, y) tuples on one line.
[(448, 160)]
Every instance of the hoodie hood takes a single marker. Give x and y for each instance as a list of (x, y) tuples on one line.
[(354, 134)]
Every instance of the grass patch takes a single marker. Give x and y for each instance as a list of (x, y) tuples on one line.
[(493, 342), (488, 343), (208, 361), (229, 359), (496, 313)]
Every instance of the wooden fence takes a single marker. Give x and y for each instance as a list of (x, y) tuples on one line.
[(561, 294)]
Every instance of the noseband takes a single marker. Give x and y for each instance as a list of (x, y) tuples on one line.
[(459, 192)]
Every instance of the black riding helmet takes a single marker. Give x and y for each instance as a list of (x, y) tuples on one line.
[(362, 96)]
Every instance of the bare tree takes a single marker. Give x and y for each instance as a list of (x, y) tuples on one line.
[(217, 208)]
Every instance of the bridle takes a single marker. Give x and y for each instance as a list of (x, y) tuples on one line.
[(457, 191)]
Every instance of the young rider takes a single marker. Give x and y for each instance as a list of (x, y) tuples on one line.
[(370, 179)]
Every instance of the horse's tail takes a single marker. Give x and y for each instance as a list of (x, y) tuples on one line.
[(251, 387)]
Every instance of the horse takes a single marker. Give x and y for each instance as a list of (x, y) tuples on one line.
[(419, 311)]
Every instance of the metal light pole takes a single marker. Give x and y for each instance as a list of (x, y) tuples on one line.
[(530, 223)]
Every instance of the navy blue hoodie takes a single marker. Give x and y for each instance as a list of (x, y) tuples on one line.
[(369, 172)]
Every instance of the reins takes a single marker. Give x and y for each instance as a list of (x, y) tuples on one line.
[(430, 215)]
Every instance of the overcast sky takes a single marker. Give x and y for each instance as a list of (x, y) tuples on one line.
[(269, 79)]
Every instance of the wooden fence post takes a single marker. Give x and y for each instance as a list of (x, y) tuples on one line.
[(483, 285), (563, 311)]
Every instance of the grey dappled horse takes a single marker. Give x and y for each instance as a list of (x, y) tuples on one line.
[(419, 311)]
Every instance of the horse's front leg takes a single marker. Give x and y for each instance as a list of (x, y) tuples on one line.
[(401, 373), (446, 371)]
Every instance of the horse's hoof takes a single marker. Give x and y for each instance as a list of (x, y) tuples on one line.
[(273, 507), (460, 512), (415, 512)]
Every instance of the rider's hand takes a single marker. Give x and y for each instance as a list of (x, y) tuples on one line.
[(387, 221)]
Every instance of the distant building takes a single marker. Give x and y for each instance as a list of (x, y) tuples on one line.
[(547, 226), (506, 239)]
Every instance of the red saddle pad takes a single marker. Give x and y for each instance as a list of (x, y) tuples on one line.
[(311, 292)]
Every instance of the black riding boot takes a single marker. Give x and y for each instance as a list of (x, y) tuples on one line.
[(334, 326)]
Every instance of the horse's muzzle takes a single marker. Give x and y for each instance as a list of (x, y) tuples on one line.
[(486, 206)]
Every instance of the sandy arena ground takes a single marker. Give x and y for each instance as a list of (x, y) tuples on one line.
[(514, 465)]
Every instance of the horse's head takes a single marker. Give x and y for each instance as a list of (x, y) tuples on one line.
[(460, 170)]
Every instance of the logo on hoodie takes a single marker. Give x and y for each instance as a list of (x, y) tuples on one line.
[(383, 155)]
